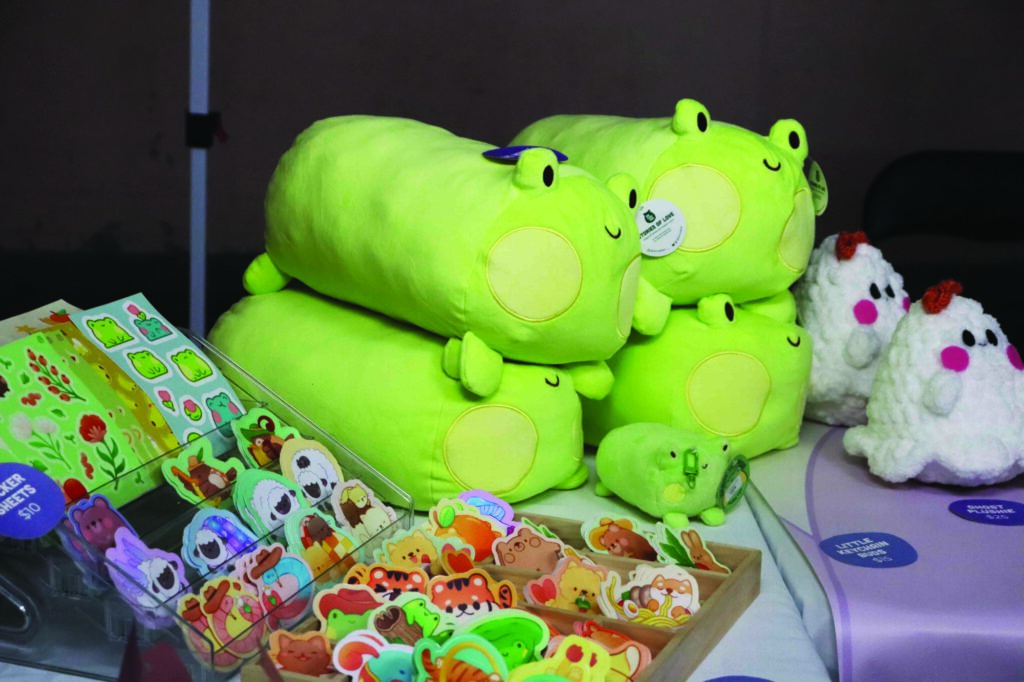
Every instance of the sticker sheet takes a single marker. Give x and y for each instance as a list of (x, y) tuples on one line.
[(40, 319), (185, 385)]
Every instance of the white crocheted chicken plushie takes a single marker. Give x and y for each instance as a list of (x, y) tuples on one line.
[(947, 405), (850, 300)]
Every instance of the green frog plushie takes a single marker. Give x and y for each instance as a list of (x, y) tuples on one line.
[(670, 473), (722, 209), (373, 383), (513, 252), (720, 369)]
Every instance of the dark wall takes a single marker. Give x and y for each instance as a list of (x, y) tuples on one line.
[(92, 159)]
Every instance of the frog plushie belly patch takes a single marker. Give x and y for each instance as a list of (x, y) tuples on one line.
[(375, 385), (742, 209), (720, 369), (533, 260), (849, 300), (947, 405)]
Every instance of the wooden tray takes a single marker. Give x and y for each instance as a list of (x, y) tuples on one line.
[(676, 651)]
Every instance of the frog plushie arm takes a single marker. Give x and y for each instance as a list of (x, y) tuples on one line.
[(652, 309), (263, 277)]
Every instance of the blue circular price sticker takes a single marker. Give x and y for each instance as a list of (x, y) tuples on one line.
[(870, 550), (512, 154), (992, 512), (31, 503), (738, 678)]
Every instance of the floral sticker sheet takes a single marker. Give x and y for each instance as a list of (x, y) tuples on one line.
[(40, 319), (51, 420), (185, 385)]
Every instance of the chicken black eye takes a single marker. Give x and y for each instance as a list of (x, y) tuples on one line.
[(729, 312), (968, 338), (889, 292), (991, 337), (875, 293), (702, 122)]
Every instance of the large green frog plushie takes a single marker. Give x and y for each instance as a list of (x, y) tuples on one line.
[(747, 213), (516, 254), (720, 369), (374, 384)]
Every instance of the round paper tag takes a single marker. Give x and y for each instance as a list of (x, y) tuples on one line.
[(661, 225), (870, 550), (993, 512), (819, 188), (31, 503), (734, 483)]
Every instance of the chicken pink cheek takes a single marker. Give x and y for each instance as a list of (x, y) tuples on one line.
[(1014, 357), (906, 304), (865, 311), (956, 358)]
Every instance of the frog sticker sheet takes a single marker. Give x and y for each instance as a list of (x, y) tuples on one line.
[(183, 384)]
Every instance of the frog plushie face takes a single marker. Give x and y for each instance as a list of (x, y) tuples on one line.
[(746, 206), (666, 472), (720, 369), (533, 259)]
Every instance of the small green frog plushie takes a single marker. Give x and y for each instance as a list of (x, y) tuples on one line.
[(670, 473), (518, 255), (741, 200)]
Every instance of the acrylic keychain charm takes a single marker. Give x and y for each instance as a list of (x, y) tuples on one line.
[(364, 649), (261, 435), (147, 578), (455, 518), (342, 609), (197, 627), (622, 536), (235, 615), (198, 476), (658, 595), (528, 550), (283, 582), (95, 521), (358, 510), (575, 659), (573, 586), (308, 653), (519, 636), (686, 548), (265, 499), (463, 657), (213, 538), (490, 505), (628, 657), (468, 595), (325, 547), (418, 548), (312, 467), (410, 618), (387, 581)]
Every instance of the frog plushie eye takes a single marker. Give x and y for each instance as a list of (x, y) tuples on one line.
[(536, 168), (691, 117), (716, 310), (624, 186), (789, 135)]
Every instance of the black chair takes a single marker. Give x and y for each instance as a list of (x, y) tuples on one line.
[(954, 215)]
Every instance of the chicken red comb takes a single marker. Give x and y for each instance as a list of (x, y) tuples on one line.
[(937, 298), (847, 242)]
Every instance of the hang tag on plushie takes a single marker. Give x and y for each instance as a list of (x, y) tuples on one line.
[(213, 539), (512, 154), (343, 609), (657, 595), (261, 434), (473, 656), (308, 653), (410, 618), (622, 536), (572, 586), (734, 483), (358, 510), (519, 636), (198, 476), (819, 188), (312, 466), (662, 227)]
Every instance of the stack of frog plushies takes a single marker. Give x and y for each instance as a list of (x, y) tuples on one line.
[(726, 218), (421, 262)]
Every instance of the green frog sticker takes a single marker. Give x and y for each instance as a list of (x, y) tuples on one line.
[(147, 365), (193, 367), (108, 332)]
